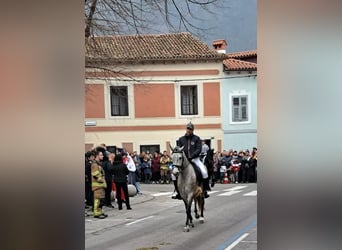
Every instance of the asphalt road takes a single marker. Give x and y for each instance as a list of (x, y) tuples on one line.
[(156, 221)]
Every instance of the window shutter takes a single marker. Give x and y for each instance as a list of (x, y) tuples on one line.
[(243, 100), (236, 114), (244, 115), (239, 109)]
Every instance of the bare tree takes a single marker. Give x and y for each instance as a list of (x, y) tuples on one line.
[(103, 17), (118, 17)]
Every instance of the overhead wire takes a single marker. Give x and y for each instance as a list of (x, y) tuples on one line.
[(176, 80)]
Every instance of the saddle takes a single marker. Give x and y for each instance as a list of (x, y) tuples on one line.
[(200, 181)]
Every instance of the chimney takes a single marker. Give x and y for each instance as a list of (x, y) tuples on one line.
[(220, 45)]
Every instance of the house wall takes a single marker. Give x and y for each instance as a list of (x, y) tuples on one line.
[(154, 106), (239, 135), (94, 101), (154, 100), (151, 137), (211, 98)]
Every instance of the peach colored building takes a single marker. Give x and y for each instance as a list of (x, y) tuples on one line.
[(141, 91)]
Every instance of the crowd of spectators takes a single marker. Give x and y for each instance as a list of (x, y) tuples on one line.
[(148, 168), (240, 166)]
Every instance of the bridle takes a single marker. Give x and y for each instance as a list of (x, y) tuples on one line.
[(180, 160)]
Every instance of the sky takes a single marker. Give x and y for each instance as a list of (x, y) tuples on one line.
[(237, 24), (232, 20), (235, 21)]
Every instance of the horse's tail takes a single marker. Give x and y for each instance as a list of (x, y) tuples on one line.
[(198, 192), (199, 200)]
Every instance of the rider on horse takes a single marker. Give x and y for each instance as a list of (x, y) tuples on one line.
[(192, 148)]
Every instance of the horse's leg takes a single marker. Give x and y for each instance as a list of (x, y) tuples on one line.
[(190, 216), (195, 210), (201, 207), (186, 227)]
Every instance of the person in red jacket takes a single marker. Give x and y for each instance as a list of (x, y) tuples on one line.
[(235, 167), (155, 167)]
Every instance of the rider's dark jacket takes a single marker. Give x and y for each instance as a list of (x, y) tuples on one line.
[(192, 145)]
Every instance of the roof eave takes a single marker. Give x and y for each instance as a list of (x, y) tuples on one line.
[(111, 61)]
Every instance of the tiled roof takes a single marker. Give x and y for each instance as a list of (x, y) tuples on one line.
[(243, 54), (150, 48), (238, 65)]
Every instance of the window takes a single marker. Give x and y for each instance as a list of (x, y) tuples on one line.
[(150, 148), (189, 100), (119, 100), (114, 149), (239, 109)]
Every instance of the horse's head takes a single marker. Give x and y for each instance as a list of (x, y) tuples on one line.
[(177, 156)]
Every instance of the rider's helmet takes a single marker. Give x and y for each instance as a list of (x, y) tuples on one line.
[(190, 126)]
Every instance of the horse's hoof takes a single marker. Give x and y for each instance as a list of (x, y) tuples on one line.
[(192, 225), (186, 229), (201, 220), (197, 216)]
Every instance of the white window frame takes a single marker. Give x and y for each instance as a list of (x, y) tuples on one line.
[(239, 94), (178, 98), (130, 95)]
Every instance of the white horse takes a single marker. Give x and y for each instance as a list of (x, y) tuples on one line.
[(188, 186)]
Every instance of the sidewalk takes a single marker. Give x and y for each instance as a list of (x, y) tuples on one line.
[(115, 217), (146, 196)]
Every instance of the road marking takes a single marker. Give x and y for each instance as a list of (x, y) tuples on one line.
[(169, 193), (249, 241), (237, 241), (212, 192), (253, 193), (237, 235), (136, 221), (162, 194), (229, 193), (235, 188), (226, 192)]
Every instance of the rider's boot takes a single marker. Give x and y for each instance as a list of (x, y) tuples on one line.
[(206, 187)]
